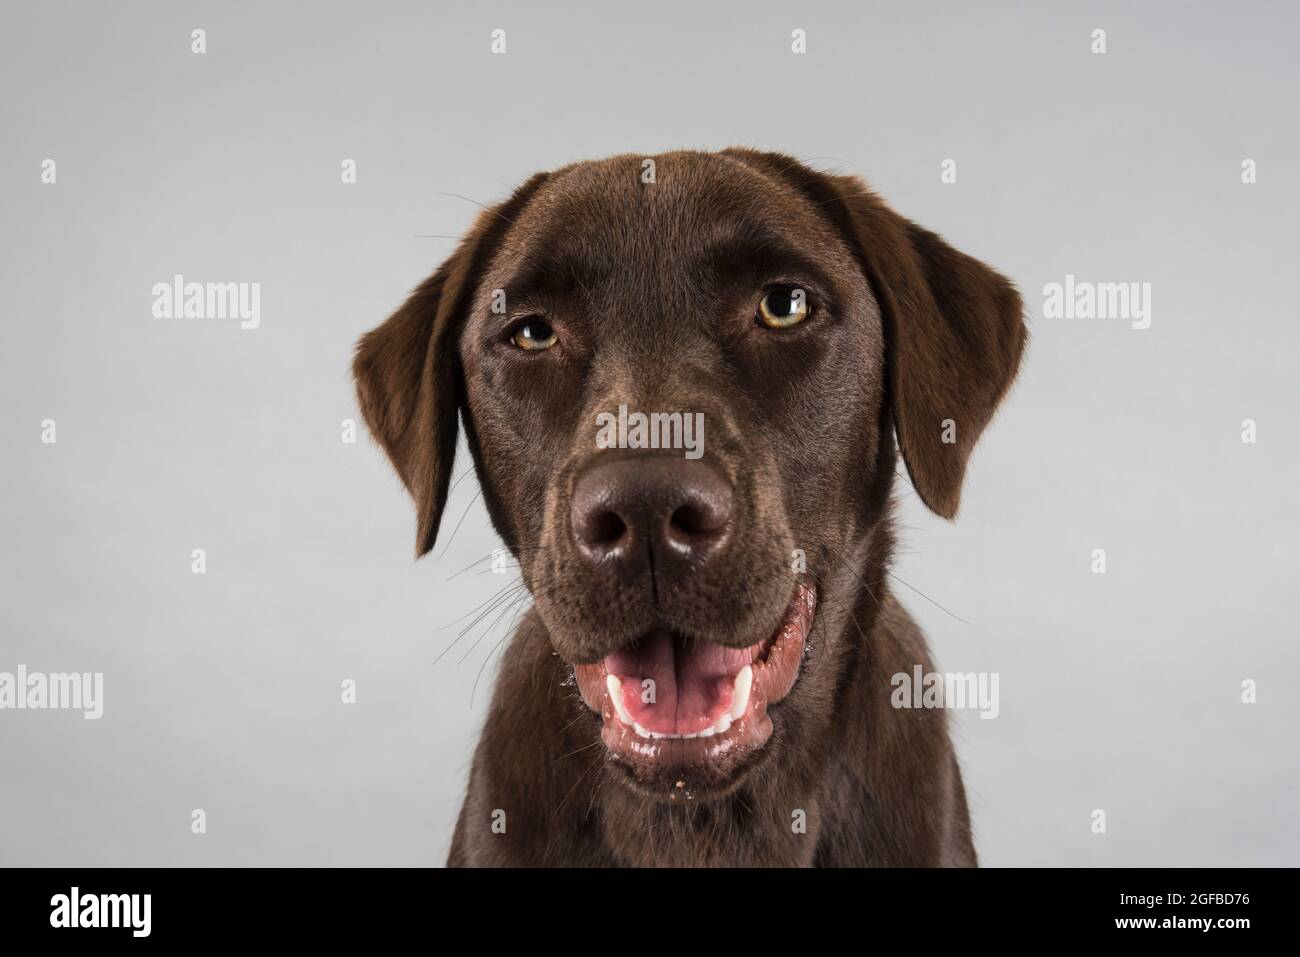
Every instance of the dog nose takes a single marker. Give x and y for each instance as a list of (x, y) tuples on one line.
[(633, 511)]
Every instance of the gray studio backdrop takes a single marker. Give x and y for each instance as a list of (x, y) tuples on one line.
[(222, 691)]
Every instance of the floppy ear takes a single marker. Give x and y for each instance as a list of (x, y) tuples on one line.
[(955, 335), (953, 327), (408, 372)]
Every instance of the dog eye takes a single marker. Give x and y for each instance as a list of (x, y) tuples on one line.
[(534, 335), (782, 308)]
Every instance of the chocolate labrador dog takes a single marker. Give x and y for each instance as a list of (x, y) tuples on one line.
[(704, 677)]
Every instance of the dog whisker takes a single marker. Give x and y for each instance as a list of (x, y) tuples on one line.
[(477, 494), (496, 602), (497, 594), (488, 630), (486, 659)]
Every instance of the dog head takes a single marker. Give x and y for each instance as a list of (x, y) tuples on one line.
[(681, 381)]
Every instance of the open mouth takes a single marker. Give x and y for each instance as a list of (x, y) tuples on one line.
[(676, 701)]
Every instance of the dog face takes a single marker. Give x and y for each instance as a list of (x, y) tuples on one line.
[(781, 324)]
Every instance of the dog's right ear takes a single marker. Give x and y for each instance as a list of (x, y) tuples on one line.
[(408, 373)]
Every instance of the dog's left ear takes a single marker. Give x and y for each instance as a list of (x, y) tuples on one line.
[(955, 333), (408, 373), (953, 326)]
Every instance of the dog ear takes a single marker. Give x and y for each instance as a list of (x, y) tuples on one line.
[(955, 334), (953, 327), (408, 374)]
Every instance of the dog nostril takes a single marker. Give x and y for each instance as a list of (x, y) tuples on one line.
[(605, 529), (691, 520)]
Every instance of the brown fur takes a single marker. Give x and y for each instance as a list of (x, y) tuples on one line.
[(651, 288)]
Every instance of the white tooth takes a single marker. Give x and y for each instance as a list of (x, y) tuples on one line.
[(723, 723), (656, 734), (640, 730), (740, 697), (707, 732), (689, 736), (615, 688)]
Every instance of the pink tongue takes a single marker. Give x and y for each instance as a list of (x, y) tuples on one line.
[(693, 681)]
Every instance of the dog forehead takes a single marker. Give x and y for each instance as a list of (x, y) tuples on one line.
[(635, 205)]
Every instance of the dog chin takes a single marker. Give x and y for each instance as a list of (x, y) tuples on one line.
[(681, 716)]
